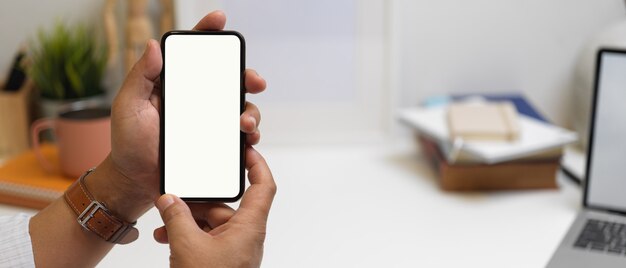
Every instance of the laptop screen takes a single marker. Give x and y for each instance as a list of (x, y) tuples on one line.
[(606, 174)]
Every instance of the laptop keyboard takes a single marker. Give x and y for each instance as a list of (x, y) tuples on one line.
[(603, 236)]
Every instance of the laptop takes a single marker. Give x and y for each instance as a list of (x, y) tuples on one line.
[(597, 238)]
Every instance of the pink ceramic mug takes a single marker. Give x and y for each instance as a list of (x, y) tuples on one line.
[(83, 138)]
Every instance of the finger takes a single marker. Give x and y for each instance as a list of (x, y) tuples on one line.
[(257, 200), (160, 235), (212, 21), (254, 138), (177, 217), (214, 214), (139, 82), (250, 119), (253, 82)]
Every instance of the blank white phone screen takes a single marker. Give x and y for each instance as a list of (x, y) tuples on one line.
[(202, 83)]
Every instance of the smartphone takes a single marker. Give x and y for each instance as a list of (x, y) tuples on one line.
[(201, 144)]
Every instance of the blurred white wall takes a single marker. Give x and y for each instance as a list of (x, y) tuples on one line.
[(324, 62), (338, 70), (20, 20), (431, 47), (530, 46)]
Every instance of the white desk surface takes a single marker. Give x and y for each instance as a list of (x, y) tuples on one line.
[(379, 206)]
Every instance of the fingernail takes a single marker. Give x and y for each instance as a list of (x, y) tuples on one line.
[(253, 121), (164, 202), (147, 47)]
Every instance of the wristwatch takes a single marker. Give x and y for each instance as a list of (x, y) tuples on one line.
[(94, 216)]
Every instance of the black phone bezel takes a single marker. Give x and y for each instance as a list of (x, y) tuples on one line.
[(242, 102)]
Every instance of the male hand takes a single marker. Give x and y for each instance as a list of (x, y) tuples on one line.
[(214, 235), (131, 170)]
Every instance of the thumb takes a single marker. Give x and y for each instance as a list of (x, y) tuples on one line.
[(176, 216), (139, 82)]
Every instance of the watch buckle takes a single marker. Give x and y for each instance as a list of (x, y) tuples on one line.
[(89, 213)]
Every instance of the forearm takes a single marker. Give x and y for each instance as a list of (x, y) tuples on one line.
[(60, 241)]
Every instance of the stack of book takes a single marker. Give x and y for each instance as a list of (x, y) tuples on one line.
[(530, 162)]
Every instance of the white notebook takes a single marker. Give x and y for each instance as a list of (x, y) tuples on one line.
[(489, 121), (535, 136)]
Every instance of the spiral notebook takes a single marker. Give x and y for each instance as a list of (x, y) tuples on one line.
[(24, 183)]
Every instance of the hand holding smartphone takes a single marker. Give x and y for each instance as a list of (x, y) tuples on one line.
[(201, 145)]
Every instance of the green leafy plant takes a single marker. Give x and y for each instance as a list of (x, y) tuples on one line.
[(67, 63)]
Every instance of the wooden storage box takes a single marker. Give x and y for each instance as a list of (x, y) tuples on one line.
[(16, 113)]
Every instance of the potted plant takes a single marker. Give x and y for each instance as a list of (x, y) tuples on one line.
[(66, 64)]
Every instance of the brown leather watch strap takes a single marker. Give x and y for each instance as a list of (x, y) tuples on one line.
[(95, 217)]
